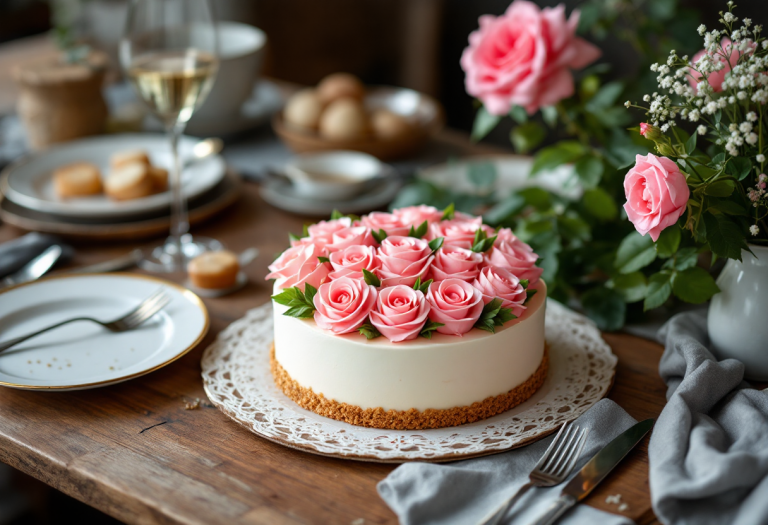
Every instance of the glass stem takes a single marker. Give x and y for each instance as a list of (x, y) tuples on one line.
[(179, 221)]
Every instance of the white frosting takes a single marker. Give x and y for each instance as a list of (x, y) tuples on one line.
[(442, 372)]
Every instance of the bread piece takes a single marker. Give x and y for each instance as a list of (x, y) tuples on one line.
[(344, 119), (121, 158), (214, 270), (79, 179), (129, 181), (340, 85), (303, 109), (159, 178), (389, 125)]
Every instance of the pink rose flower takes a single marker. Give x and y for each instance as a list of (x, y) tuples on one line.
[(505, 234), (457, 263), (299, 265), (400, 313), (322, 232), (343, 305), (403, 260), (351, 236), (524, 58), (715, 79), (350, 262), (415, 215), (456, 304), (389, 222), (458, 233), (497, 282), (514, 255), (656, 194)]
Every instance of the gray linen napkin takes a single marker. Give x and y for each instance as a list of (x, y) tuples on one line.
[(709, 450), (464, 492)]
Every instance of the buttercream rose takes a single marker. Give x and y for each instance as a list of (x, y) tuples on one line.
[(389, 222), (322, 232), (715, 79), (656, 194), (514, 255), (299, 265), (342, 306), (415, 215), (457, 263), (350, 262), (456, 304), (497, 282), (459, 233), (400, 313), (403, 260), (524, 58), (351, 236)]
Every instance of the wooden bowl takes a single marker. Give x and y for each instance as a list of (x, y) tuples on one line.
[(423, 111)]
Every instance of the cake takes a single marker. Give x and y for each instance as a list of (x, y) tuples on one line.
[(414, 319)]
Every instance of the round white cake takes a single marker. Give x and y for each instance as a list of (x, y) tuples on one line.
[(421, 383)]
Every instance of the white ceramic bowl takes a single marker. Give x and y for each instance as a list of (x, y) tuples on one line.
[(333, 174), (241, 52)]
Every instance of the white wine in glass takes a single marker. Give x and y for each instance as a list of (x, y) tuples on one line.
[(169, 52)]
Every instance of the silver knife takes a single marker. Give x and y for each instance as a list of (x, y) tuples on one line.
[(595, 471), (35, 268)]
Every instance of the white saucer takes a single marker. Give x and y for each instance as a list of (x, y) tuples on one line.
[(29, 181), (85, 355)]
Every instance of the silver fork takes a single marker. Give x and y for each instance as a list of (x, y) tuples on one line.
[(146, 309), (552, 469)]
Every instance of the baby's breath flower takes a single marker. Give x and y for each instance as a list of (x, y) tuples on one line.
[(751, 138), (760, 157), (702, 29), (627, 104), (754, 230), (745, 127), (701, 130), (752, 116)]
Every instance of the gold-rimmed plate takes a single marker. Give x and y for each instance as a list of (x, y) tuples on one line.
[(84, 355)]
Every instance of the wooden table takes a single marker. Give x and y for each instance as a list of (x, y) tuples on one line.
[(105, 448)]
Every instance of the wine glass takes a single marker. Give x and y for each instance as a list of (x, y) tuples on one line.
[(170, 53)]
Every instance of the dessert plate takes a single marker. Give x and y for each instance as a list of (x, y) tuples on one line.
[(237, 379), (85, 355), (29, 181)]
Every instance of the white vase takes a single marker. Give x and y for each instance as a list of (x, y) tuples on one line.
[(738, 316)]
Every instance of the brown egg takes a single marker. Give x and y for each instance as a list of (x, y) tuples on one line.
[(303, 109), (344, 119), (389, 125), (340, 85)]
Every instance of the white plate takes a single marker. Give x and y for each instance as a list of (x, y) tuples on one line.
[(29, 181), (85, 355)]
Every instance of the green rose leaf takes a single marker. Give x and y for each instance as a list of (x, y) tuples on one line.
[(448, 212), (690, 144), (436, 244), (369, 331), (423, 287), (739, 167), (429, 327), (631, 286), (482, 174), (728, 207), (300, 303), (668, 242), (526, 137), (605, 307), (420, 231), (323, 259), (519, 114), (484, 123), (482, 242), (725, 237), (549, 114), (600, 204), (553, 156), (590, 170), (336, 214), (694, 285), (720, 188), (659, 290), (371, 278), (635, 252), (379, 236)]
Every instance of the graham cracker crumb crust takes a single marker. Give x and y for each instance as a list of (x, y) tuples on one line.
[(409, 419)]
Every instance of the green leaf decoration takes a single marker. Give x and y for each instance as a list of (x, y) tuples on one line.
[(668, 242), (449, 212), (728, 207), (300, 303), (725, 237), (292, 237), (529, 295), (527, 137), (370, 278), (690, 144), (302, 312), (423, 287), (309, 294), (482, 242), (494, 315), (482, 174), (694, 285), (739, 167), (631, 286), (323, 259), (519, 114), (290, 297), (420, 231), (379, 236), (436, 244), (600, 204), (605, 97), (720, 188), (590, 170), (484, 123), (635, 252), (685, 258), (605, 307), (305, 230), (369, 331), (659, 290), (549, 114), (336, 214), (553, 156), (524, 283), (429, 327)]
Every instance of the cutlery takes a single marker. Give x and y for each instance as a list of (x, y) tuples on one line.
[(595, 471), (204, 149), (146, 309), (554, 466), (119, 263), (35, 268)]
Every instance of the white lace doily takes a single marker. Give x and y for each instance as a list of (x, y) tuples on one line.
[(238, 381)]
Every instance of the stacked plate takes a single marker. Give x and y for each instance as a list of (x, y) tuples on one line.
[(30, 202)]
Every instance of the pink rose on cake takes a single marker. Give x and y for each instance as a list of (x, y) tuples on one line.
[(415, 215), (389, 222), (342, 305), (514, 255), (299, 265), (350, 262), (456, 304), (400, 313), (457, 263), (322, 232), (351, 236), (403, 260), (496, 282), (459, 232)]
